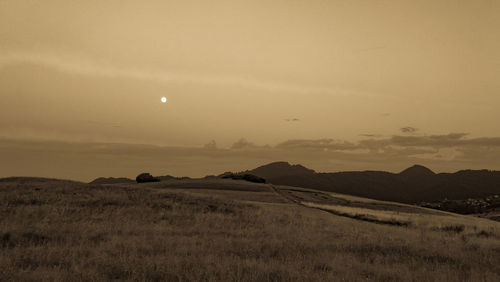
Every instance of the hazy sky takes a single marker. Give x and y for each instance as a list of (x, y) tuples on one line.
[(272, 72)]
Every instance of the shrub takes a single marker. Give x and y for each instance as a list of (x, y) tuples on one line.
[(244, 176), (453, 228), (146, 177)]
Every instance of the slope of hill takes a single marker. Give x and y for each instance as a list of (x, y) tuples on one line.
[(32, 180), (413, 185), (230, 230)]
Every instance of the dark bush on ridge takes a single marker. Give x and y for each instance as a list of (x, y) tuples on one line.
[(253, 178), (146, 177), (244, 176)]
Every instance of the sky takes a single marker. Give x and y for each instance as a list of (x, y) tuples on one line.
[(334, 85)]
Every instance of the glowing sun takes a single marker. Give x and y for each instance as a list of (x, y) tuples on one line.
[(163, 99)]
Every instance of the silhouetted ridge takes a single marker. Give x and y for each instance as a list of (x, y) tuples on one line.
[(111, 180), (278, 169), (170, 177), (417, 171), (413, 185), (27, 179)]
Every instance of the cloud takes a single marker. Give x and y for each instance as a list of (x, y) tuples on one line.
[(244, 144), (408, 129), (85, 161), (84, 66), (319, 144), (448, 140), (292, 119), (445, 154), (445, 147), (210, 145)]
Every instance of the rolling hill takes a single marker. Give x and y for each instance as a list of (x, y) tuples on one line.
[(231, 230), (413, 185), (111, 180)]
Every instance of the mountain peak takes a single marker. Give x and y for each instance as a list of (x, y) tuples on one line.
[(281, 169), (417, 170), (276, 165)]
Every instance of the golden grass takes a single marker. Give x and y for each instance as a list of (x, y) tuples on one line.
[(445, 222), (76, 232)]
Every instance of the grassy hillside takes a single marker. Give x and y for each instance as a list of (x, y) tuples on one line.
[(194, 231)]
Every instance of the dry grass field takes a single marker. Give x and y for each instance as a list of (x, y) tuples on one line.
[(225, 230)]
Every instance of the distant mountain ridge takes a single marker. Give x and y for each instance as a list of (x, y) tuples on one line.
[(282, 169), (111, 180), (412, 185)]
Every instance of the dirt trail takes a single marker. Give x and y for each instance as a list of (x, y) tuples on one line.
[(327, 199), (278, 192)]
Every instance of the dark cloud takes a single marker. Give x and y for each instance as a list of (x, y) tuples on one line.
[(448, 140), (484, 141), (292, 119), (210, 145), (408, 129), (245, 144), (447, 147), (452, 139)]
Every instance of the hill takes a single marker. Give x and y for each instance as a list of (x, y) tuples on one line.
[(111, 180), (413, 185), (231, 230), (417, 171)]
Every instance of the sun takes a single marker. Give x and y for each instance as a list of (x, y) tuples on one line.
[(163, 99)]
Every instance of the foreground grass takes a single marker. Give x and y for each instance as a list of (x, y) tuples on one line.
[(71, 231)]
